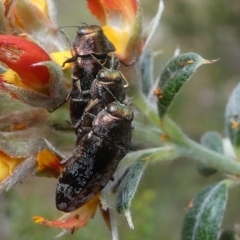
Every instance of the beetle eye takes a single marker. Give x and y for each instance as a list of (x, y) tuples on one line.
[(101, 75), (81, 31), (112, 108)]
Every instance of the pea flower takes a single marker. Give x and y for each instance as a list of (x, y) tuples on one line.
[(31, 76), (18, 154), (37, 18), (30, 60), (122, 23)]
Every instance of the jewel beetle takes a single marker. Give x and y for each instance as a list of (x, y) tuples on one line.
[(90, 41), (108, 86), (95, 158)]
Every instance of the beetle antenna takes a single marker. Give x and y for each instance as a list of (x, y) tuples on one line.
[(109, 91), (83, 23), (69, 26), (67, 39), (126, 81), (97, 60), (112, 62)]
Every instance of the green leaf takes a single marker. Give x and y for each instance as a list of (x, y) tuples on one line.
[(176, 72), (146, 64), (213, 141), (204, 217), (228, 235), (152, 27), (128, 187), (232, 119)]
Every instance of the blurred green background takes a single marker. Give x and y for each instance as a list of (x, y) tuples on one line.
[(209, 28)]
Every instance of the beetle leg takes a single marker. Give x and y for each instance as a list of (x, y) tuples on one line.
[(70, 60), (126, 82), (90, 116), (87, 114), (91, 104), (86, 92)]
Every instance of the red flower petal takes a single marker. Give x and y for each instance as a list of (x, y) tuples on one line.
[(19, 55), (68, 224), (97, 10), (73, 220), (121, 5), (128, 8)]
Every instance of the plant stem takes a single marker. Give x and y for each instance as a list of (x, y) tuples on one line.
[(145, 136), (166, 153), (210, 158), (142, 104), (189, 148)]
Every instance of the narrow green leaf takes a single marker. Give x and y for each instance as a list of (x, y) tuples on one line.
[(146, 64), (204, 217), (232, 119), (213, 141), (152, 27), (177, 71), (228, 235), (128, 187)]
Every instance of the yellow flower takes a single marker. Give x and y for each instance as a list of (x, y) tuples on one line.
[(48, 163), (8, 164)]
